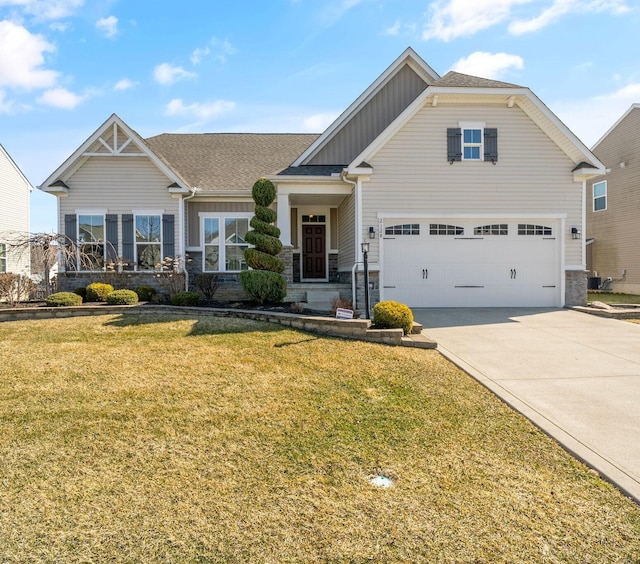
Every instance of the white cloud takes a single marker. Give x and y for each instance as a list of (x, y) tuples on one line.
[(448, 19), (166, 73), (335, 10), (590, 118), (60, 26), (199, 110), (199, 54), (108, 26), (124, 84), (22, 56), (6, 106), (60, 98), (45, 9), (488, 65), (394, 29), (318, 122)]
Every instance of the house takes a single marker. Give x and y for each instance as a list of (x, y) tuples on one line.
[(466, 191), (613, 204), (14, 214)]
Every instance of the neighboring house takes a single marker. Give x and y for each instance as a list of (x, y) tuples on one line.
[(466, 189), (613, 205), (14, 214)]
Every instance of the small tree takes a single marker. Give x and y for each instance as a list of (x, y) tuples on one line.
[(264, 283)]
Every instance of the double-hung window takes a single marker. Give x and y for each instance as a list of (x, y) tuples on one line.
[(224, 242), (600, 196), (148, 231), (91, 242), (3, 258), (472, 135)]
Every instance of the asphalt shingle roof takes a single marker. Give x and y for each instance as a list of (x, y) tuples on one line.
[(228, 161), (455, 79), (311, 170)]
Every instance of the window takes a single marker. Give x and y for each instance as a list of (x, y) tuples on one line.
[(471, 144), (600, 196), (404, 229), (528, 229), (443, 229), (224, 243), (314, 219), (148, 241), (3, 258), (494, 229), (91, 245)]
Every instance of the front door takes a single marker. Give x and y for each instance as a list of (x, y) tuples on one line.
[(313, 252)]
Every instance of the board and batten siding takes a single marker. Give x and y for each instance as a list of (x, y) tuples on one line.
[(119, 185), (532, 176), (372, 119), (14, 211), (615, 233)]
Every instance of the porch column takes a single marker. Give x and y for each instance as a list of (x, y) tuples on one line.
[(284, 218)]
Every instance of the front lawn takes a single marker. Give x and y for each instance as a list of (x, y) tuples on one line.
[(150, 438)]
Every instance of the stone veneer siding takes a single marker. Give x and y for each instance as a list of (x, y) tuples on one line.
[(229, 287), (575, 292), (69, 281)]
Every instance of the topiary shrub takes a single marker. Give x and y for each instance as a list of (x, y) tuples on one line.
[(393, 315), (264, 286), (264, 283), (145, 293), (98, 292), (185, 299), (122, 297), (82, 292), (63, 299)]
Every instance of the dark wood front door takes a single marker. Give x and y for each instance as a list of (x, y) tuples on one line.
[(313, 251)]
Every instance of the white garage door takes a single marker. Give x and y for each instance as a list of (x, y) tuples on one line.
[(481, 263)]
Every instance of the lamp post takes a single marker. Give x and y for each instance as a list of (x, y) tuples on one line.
[(365, 252)]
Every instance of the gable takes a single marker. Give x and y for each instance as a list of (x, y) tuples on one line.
[(622, 142), (372, 119)]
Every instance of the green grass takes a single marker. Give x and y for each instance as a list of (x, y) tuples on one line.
[(612, 298), (156, 439)]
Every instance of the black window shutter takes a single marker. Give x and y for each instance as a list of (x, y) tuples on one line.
[(491, 144), (454, 144), (111, 221), (127, 237), (70, 231), (168, 236)]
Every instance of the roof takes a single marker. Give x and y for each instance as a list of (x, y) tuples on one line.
[(616, 124), (457, 80), (312, 170), (228, 161)]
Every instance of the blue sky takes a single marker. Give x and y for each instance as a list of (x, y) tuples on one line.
[(286, 65)]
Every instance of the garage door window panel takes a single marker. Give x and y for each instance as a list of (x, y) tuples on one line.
[(493, 229), (403, 229), (530, 229), (444, 229)]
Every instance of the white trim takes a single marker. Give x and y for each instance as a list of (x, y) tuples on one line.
[(475, 126), (79, 153), (409, 57), (137, 214), (102, 214), (220, 216), (315, 210), (605, 196)]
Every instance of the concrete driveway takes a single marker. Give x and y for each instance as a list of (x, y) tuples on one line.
[(575, 375)]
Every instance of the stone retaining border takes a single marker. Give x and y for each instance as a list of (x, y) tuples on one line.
[(358, 329)]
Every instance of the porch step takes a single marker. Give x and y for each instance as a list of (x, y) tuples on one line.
[(320, 299)]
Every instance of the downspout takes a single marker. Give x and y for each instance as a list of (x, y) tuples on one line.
[(183, 234), (355, 184)]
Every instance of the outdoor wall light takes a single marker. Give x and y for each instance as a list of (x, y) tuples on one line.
[(372, 232), (575, 234)]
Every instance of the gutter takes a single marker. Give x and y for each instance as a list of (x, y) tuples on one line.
[(192, 193)]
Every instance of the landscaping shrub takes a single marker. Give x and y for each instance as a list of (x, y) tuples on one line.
[(122, 297), (264, 286), (63, 299), (82, 292), (392, 315), (145, 293), (98, 292), (185, 299), (207, 283), (264, 282), (342, 304)]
